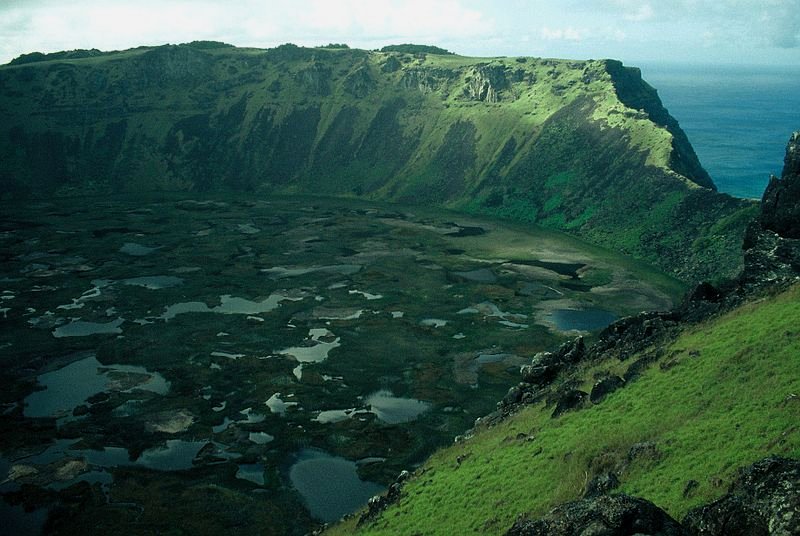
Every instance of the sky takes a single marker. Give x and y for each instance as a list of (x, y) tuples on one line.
[(746, 32)]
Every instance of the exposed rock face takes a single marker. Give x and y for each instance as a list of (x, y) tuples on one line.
[(572, 399), (607, 515), (604, 387), (360, 82), (764, 500), (601, 485), (485, 83), (780, 205), (772, 243)]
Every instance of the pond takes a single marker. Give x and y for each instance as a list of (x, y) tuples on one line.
[(175, 455), (229, 305), (316, 352), (153, 282), (329, 485), (395, 410), (70, 386), (252, 472), (582, 319), (81, 328)]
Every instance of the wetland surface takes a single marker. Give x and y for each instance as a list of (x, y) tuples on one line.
[(258, 366)]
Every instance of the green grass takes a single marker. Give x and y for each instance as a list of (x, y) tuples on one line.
[(718, 399)]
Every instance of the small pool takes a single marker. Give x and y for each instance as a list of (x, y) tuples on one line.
[(393, 409), (229, 305), (323, 342), (80, 328), (175, 455), (70, 386), (252, 472), (582, 319), (153, 282), (329, 485)]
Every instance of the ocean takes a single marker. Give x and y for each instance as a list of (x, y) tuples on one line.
[(737, 118)]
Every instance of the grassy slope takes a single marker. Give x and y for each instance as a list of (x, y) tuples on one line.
[(578, 146), (718, 399)]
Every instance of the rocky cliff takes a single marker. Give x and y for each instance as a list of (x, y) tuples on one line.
[(772, 241), (585, 147)]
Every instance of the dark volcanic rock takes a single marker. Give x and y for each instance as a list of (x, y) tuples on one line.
[(628, 336), (570, 400), (607, 515), (379, 503), (764, 500), (769, 259), (605, 387), (772, 243), (543, 368), (601, 485), (780, 205)]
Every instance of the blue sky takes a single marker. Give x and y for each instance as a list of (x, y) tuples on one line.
[(635, 31)]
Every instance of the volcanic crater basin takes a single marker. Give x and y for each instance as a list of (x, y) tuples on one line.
[(205, 356)]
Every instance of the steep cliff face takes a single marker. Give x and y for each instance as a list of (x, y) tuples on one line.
[(781, 203), (772, 242), (581, 146)]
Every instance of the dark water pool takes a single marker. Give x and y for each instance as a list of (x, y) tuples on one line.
[(582, 319), (329, 485)]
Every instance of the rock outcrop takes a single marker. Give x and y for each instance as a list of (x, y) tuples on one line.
[(764, 500), (780, 205), (606, 515), (772, 242)]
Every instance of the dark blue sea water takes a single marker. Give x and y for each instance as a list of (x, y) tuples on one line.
[(738, 118)]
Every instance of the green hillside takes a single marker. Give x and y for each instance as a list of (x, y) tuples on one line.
[(581, 146), (721, 395)]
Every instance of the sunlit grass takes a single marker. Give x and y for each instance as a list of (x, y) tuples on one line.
[(721, 400)]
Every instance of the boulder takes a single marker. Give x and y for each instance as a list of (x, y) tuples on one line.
[(601, 485), (572, 399), (607, 515), (605, 387), (543, 368), (763, 500)]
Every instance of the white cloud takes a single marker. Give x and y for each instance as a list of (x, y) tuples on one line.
[(381, 19), (113, 24), (639, 14), (561, 34), (631, 29)]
